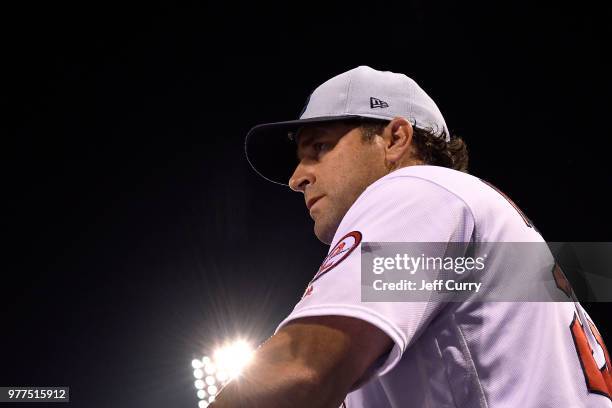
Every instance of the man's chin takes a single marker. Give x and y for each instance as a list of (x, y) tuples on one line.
[(324, 233)]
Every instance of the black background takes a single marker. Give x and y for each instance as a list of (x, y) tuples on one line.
[(136, 235)]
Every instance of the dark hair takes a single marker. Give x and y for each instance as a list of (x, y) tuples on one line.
[(431, 146)]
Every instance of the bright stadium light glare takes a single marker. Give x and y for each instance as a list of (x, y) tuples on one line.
[(221, 376), (233, 357), (214, 373)]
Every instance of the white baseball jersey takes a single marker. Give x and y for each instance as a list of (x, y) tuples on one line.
[(451, 354)]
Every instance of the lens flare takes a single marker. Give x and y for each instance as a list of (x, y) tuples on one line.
[(226, 364)]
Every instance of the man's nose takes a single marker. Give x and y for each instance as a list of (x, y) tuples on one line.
[(303, 175)]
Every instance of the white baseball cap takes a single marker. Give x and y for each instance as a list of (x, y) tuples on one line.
[(362, 92)]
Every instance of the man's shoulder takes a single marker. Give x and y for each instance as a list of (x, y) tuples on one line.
[(442, 176), (427, 179), (414, 191), (411, 205)]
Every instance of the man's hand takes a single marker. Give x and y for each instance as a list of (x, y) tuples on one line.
[(312, 362)]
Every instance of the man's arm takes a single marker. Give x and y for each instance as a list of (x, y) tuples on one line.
[(311, 362)]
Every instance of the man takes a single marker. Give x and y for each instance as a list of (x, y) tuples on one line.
[(376, 163)]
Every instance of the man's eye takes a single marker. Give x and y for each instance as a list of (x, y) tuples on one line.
[(320, 147)]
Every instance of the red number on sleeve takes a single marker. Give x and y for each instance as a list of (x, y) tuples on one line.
[(598, 380)]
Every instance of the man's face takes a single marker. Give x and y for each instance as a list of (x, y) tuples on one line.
[(335, 165)]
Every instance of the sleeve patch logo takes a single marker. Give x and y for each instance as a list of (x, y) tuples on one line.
[(308, 291), (339, 253)]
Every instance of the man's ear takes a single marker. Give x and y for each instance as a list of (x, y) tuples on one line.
[(399, 140)]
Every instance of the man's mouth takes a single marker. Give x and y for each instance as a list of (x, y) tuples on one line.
[(312, 201)]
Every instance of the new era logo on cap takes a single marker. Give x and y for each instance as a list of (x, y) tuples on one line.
[(377, 103)]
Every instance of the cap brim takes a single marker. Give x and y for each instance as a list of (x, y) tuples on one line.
[(270, 150)]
